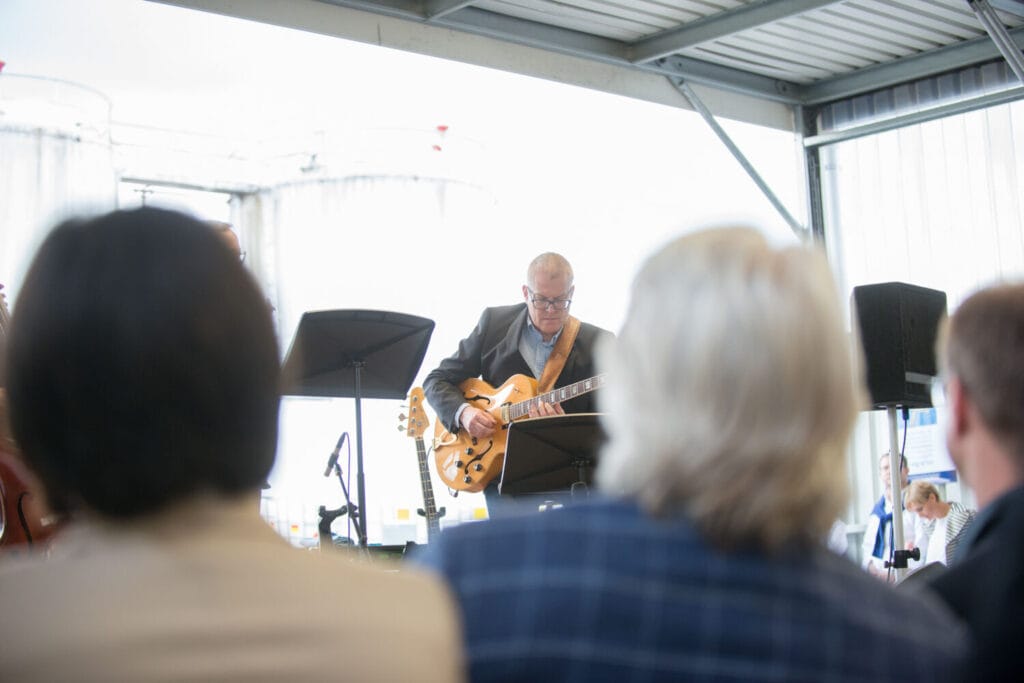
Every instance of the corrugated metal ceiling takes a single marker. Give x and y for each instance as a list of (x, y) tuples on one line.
[(796, 51)]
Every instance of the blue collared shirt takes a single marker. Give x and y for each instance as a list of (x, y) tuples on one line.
[(535, 350)]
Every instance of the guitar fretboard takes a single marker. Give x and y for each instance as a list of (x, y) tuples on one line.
[(429, 507), (521, 409)]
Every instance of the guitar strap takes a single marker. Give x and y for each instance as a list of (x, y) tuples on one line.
[(559, 354)]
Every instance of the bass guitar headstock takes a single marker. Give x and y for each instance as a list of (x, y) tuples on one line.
[(417, 422)]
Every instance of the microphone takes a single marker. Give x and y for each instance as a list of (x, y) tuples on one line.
[(333, 460)]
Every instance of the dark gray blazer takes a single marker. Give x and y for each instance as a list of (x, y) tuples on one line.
[(491, 352), (985, 588)]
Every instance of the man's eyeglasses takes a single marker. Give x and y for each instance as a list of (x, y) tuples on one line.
[(543, 303)]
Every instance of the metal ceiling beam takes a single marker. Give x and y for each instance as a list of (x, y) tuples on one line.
[(927, 64), (402, 9), (609, 51), (535, 34), (716, 75), (461, 16), (1015, 7), (914, 118), (719, 25), (997, 32), (435, 9)]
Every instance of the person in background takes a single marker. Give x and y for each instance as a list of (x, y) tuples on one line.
[(878, 534), (729, 402), (227, 234), (143, 387), (981, 363), (945, 523)]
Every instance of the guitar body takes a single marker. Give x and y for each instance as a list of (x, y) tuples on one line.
[(465, 463)]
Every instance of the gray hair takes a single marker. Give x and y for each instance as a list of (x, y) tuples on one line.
[(731, 391), (551, 265)]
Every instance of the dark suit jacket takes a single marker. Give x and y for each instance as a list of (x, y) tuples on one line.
[(985, 588), (491, 352)]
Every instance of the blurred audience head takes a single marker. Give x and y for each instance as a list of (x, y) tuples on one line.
[(227, 234), (981, 362), (142, 366), (732, 390)]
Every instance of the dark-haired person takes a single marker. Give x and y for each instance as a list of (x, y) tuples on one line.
[(729, 402), (143, 390), (981, 361)]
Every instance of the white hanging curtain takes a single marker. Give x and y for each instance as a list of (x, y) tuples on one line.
[(938, 204)]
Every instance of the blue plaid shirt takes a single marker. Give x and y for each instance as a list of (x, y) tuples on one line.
[(602, 592)]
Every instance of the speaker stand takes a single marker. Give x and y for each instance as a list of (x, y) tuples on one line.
[(896, 490)]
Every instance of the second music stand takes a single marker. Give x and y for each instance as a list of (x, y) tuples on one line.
[(550, 454), (356, 354)]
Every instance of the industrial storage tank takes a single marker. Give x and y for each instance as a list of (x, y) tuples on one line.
[(56, 160)]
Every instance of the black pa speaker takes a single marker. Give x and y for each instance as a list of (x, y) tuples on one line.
[(898, 325)]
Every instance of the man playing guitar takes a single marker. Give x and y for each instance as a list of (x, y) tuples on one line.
[(519, 340)]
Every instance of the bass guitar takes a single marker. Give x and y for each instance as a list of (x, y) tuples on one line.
[(466, 463), (416, 426)]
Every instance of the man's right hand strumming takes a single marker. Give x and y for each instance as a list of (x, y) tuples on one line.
[(478, 423)]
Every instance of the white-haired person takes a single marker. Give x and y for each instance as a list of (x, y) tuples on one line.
[(729, 400), (944, 523)]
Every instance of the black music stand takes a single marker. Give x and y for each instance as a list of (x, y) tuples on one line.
[(550, 454), (356, 354)]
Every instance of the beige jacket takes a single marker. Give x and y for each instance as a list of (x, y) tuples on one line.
[(211, 593)]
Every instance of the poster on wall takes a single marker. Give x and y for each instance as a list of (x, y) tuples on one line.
[(926, 453)]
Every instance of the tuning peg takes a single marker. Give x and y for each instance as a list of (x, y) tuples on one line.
[(403, 416), (401, 428)]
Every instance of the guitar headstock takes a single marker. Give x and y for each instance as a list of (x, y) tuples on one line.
[(417, 422)]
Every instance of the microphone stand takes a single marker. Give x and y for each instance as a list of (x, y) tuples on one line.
[(328, 516)]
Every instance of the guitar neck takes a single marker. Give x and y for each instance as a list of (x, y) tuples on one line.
[(429, 507), (585, 386)]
